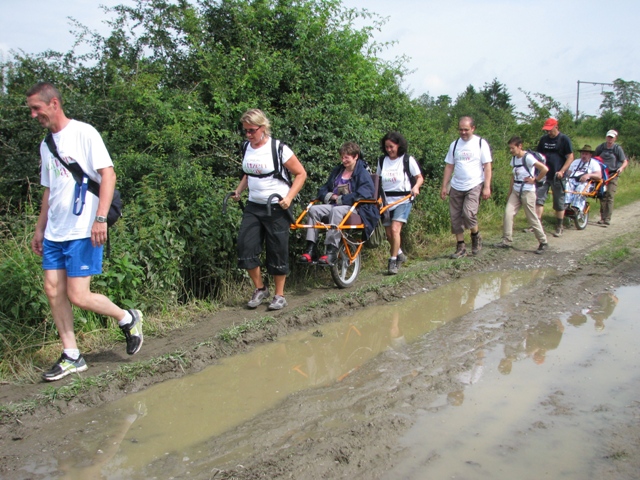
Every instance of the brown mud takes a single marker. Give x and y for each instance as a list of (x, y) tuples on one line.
[(352, 427)]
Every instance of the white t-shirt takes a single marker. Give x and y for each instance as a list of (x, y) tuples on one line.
[(258, 162), (77, 142), (394, 179), (469, 161), (520, 172), (578, 168)]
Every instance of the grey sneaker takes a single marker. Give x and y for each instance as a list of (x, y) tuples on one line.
[(528, 230), (257, 297), (461, 251), (476, 243), (559, 231), (133, 332), (503, 244), (401, 259), (541, 248), (393, 267), (63, 367), (278, 303)]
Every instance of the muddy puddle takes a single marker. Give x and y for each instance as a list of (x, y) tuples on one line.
[(537, 406), (130, 438)]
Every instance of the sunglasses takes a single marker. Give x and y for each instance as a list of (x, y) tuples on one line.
[(250, 131)]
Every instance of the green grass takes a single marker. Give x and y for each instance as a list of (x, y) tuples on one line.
[(229, 335)]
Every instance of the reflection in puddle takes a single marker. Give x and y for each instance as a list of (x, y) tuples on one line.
[(543, 399), (183, 413)]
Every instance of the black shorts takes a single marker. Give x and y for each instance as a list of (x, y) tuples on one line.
[(258, 228)]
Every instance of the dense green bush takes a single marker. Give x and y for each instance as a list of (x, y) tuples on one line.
[(166, 89)]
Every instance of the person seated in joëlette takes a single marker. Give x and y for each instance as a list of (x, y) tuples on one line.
[(347, 183)]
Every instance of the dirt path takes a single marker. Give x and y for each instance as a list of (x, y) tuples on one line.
[(362, 445)]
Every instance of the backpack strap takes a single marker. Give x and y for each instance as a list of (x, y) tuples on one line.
[(456, 144), (407, 170), (278, 164), (74, 169)]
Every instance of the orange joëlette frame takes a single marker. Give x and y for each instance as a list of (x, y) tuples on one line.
[(352, 253), (598, 186)]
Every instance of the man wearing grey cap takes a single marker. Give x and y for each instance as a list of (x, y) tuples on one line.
[(614, 158)]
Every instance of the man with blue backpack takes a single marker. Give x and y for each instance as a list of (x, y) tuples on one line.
[(616, 161)]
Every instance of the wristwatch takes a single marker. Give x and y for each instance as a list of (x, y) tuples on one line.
[(101, 219)]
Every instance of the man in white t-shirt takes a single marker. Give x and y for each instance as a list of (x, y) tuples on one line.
[(467, 177), (581, 176), (71, 228)]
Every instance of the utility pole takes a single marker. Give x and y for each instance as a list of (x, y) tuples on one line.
[(578, 95)]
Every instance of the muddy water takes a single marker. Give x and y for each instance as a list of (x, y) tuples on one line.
[(123, 439), (535, 407)]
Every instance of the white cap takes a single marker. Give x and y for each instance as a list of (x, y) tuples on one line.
[(612, 133)]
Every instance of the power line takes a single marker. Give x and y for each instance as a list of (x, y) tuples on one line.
[(578, 94)]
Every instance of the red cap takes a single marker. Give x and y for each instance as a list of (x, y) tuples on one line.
[(550, 123)]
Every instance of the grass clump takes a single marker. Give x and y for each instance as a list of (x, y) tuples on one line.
[(231, 334)]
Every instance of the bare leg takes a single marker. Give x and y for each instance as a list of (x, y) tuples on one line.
[(256, 277), (393, 236), (279, 280), (78, 290), (55, 287)]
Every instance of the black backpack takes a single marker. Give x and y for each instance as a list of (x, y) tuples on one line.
[(279, 171)]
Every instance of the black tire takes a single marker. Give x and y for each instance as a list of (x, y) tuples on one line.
[(581, 219), (343, 273)]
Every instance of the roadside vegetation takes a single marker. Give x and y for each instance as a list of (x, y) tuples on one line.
[(167, 102)]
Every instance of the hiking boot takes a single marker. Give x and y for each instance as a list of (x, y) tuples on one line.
[(331, 256), (133, 332), (461, 251), (63, 367), (559, 231), (400, 259), (392, 268), (310, 255), (541, 248), (258, 296), (503, 244), (278, 303), (476, 243)]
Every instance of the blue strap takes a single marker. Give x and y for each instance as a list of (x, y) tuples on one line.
[(80, 194)]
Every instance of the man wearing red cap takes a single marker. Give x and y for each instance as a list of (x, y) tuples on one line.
[(557, 148), (614, 158)]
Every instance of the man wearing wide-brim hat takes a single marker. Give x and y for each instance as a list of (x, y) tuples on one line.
[(579, 175), (614, 158)]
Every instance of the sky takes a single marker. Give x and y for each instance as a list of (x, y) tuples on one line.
[(545, 46)]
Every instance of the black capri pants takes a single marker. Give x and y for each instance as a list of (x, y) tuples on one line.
[(258, 228)]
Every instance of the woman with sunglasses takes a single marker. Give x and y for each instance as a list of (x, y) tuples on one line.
[(263, 178)]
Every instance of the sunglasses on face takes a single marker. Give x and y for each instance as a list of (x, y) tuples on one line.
[(250, 131)]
